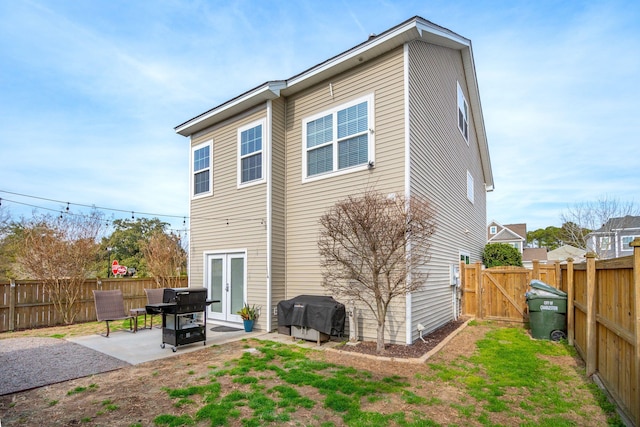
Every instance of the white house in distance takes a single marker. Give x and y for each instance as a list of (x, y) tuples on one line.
[(399, 113)]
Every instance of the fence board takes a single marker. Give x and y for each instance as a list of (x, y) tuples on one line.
[(32, 308)]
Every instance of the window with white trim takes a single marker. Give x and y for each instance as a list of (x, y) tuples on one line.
[(463, 114), (250, 153), (493, 229), (605, 243), (339, 139), (201, 169), (469, 186), (625, 242), (464, 256)]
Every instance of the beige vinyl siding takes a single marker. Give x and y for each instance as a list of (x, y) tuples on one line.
[(306, 202), (278, 192), (232, 218), (440, 158)]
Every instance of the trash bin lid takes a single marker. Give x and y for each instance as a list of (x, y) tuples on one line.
[(538, 294), (541, 286)]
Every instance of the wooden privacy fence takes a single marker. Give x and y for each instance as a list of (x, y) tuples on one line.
[(603, 323), (497, 293), (24, 304), (603, 313)]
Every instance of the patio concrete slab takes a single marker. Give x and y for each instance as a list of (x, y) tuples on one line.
[(144, 345)]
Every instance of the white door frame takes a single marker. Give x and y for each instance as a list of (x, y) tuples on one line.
[(226, 313)]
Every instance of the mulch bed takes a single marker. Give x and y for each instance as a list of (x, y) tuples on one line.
[(418, 349)]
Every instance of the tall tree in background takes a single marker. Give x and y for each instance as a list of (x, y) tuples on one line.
[(550, 237), (595, 215), (125, 243), (165, 258), (368, 246), (8, 244), (62, 253)]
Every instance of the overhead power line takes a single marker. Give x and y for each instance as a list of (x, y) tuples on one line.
[(132, 212)]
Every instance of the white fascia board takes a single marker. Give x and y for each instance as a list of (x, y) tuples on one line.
[(267, 91), (415, 29)]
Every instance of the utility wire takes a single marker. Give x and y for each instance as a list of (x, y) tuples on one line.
[(133, 213)]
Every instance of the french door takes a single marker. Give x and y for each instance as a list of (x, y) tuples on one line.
[(226, 275)]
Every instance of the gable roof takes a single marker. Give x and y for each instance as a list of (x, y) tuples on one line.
[(566, 251), (505, 235), (519, 229), (531, 254), (620, 223), (416, 28)]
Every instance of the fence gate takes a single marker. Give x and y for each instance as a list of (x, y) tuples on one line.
[(497, 293), (503, 291)]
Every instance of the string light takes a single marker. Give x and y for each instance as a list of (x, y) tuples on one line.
[(133, 213)]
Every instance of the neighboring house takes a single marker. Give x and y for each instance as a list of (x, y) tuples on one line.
[(613, 238), (399, 113), (567, 251), (511, 234), (533, 254)]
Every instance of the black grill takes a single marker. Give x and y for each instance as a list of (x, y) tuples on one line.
[(184, 315)]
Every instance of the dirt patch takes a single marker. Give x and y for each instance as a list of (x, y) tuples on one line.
[(419, 348)]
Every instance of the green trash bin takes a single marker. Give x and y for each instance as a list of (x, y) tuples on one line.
[(547, 311)]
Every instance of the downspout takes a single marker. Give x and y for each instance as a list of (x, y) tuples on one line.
[(269, 197), (407, 189)]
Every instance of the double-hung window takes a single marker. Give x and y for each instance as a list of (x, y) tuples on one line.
[(338, 140), (626, 242), (463, 114), (201, 169), (250, 153)]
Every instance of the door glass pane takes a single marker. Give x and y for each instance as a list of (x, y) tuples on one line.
[(237, 284), (216, 285)]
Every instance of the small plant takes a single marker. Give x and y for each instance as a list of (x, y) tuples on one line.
[(249, 312)]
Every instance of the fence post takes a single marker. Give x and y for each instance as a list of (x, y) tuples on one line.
[(536, 269), (636, 291), (570, 297), (12, 305), (591, 313), (558, 275), (479, 290)]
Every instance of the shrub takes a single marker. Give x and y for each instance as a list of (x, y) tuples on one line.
[(497, 254)]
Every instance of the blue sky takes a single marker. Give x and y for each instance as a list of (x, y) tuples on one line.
[(90, 92)]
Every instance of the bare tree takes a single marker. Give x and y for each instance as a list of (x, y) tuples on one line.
[(585, 219), (165, 258), (371, 245), (62, 253)]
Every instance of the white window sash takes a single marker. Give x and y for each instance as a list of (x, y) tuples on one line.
[(335, 141), (194, 172), (262, 151)]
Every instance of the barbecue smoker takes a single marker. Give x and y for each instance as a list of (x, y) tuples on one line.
[(184, 316)]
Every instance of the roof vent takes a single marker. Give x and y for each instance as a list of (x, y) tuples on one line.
[(371, 36)]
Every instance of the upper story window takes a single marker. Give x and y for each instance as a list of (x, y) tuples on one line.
[(493, 229), (463, 114), (201, 169), (250, 153), (469, 186), (339, 139), (625, 242), (605, 243)]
